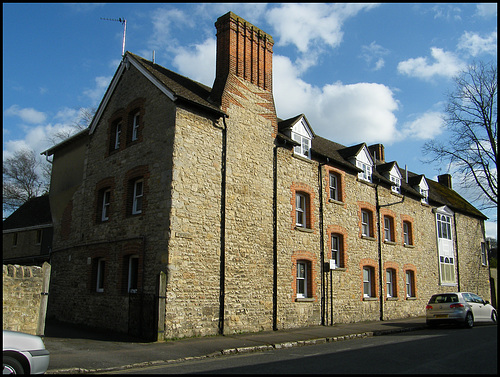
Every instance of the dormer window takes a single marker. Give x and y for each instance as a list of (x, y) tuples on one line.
[(366, 174), (396, 184), (425, 195), (363, 161), (305, 145), (423, 189)]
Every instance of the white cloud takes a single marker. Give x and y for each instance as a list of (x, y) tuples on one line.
[(445, 64), (344, 113), (96, 94), (373, 53), (426, 126), (188, 61), (305, 24), (476, 45), (28, 115), (487, 10)]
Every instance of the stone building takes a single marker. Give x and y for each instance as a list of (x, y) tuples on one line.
[(257, 223), (27, 233)]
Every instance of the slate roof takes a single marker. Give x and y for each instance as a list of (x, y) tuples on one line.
[(32, 213), (182, 87)]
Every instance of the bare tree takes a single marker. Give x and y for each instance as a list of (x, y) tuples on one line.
[(83, 122), (471, 122), (24, 178)]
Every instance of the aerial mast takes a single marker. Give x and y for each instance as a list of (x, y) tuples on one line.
[(124, 23)]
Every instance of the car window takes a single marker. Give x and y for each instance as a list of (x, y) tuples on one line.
[(467, 297), (476, 298), (437, 299)]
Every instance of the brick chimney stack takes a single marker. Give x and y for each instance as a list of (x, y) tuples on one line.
[(244, 51), (379, 151), (445, 180)]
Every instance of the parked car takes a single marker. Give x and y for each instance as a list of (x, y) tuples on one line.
[(24, 354), (461, 307)]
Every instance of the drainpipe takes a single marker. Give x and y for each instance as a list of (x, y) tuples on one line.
[(456, 249), (275, 237), (380, 264), (223, 228), (321, 245)]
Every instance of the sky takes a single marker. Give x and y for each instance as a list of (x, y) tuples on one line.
[(374, 73)]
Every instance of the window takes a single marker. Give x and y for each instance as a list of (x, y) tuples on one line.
[(388, 229), (396, 186), (334, 188), (336, 248), (410, 283), (133, 272), (484, 255), (137, 197), (302, 279), (390, 280), (407, 233), (368, 281), (444, 226), (38, 237), (301, 207), (106, 195), (101, 263), (425, 195), (118, 132), (304, 147), (14, 239), (135, 127), (447, 269), (366, 222), (366, 174)]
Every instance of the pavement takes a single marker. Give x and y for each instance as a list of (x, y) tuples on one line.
[(76, 349)]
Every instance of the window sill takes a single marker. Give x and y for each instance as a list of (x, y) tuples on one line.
[(371, 184), (338, 202), (302, 229), (389, 242), (411, 298), (392, 299), (339, 269), (306, 299), (368, 238), (303, 158), (370, 299), (409, 246)]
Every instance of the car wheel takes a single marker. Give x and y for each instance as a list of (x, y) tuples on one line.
[(12, 366), (494, 317), (469, 320)]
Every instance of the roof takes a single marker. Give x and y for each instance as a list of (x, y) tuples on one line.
[(35, 212)]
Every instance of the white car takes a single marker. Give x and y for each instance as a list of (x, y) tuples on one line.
[(461, 307), (24, 354)]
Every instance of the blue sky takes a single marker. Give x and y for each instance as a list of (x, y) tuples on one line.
[(374, 73)]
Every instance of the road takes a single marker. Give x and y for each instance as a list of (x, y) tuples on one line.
[(440, 350)]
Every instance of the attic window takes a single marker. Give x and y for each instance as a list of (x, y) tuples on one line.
[(305, 145), (366, 174), (396, 184), (425, 195)]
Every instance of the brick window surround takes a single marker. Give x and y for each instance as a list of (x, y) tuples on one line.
[(103, 185), (340, 183), (343, 250), (370, 208), (384, 212), (308, 192), (413, 269), (312, 273), (409, 220), (395, 279), (367, 262), (134, 174)]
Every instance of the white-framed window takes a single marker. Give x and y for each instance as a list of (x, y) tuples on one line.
[(390, 279), (133, 273), (388, 229), (410, 283), (484, 254), (366, 223), (301, 210), (447, 269), (407, 235), (336, 249), (396, 186), (366, 174), (106, 195), (101, 264), (118, 132), (135, 127), (334, 188), (305, 145), (368, 281), (425, 195), (444, 226), (302, 279), (137, 197)]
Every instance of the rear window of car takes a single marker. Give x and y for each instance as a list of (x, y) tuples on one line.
[(449, 297)]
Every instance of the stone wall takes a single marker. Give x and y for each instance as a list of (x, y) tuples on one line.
[(24, 298)]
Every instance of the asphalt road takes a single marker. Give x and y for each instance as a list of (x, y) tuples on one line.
[(440, 350)]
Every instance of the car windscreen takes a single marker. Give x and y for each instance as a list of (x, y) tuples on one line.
[(443, 298)]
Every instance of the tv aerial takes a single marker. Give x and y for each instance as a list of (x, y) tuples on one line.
[(124, 23)]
